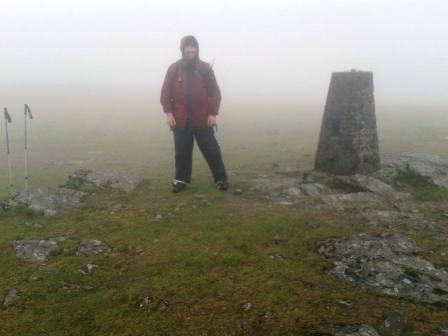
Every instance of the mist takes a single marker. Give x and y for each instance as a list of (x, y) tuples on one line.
[(92, 73), (283, 52)]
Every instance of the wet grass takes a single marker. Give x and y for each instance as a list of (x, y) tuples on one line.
[(199, 264), (422, 189)]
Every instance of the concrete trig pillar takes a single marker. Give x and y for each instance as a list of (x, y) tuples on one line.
[(348, 142)]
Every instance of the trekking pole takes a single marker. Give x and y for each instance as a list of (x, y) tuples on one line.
[(8, 120), (27, 114)]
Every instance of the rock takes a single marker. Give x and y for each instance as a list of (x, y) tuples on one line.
[(357, 183), (34, 225), (163, 305), (360, 201), (145, 302), (237, 191), (429, 166), (246, 306), (35, 250), (294, 192), (88, 268), (344, 303), (50, 200), (267, 314), (388, 263), (354, 330), (287, 171), (74, 287), (4, 206), (11, 297), (444, 331), (312, 189), (87, 180), (88, 247), (395, 323)]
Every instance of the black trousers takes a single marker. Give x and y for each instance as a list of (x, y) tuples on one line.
[(209, 147)]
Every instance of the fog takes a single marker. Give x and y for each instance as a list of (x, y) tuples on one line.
[(92, 72), (283, 50)]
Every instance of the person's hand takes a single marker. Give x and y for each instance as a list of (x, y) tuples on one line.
[(170, 120), (211, 120)]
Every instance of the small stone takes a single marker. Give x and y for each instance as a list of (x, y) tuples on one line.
[(395, 323), (237, 192), (344, 303), (11, 297), (145, 302), (158, 217), (267, 314), (444, 331), (287, 203), (90, 247), (354, 330), (88, 268), (34, 278), (246, 306), (163, 305), (294, 192)]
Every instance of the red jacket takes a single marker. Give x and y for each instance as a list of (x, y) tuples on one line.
[(206, 95)]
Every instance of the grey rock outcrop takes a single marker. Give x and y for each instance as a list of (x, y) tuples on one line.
[(87, 180), (388, 263), (50, 200), (35, 250), (428, 166)]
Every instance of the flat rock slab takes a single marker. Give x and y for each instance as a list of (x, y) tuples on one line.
[(35, 250), (430, 166), (50, 200), (87, 180), (359, 201), (388, 263)]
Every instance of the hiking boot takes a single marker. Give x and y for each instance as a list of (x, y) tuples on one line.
[(178, 186), (222, 185)]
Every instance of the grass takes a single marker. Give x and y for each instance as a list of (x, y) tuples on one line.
[(422, 189), (204, 260)]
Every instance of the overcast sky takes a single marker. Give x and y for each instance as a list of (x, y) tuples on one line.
[(283, 48)]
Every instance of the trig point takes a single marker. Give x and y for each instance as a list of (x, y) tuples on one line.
[(348, 142)]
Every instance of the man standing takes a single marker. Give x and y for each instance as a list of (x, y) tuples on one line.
[(190, 97)]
